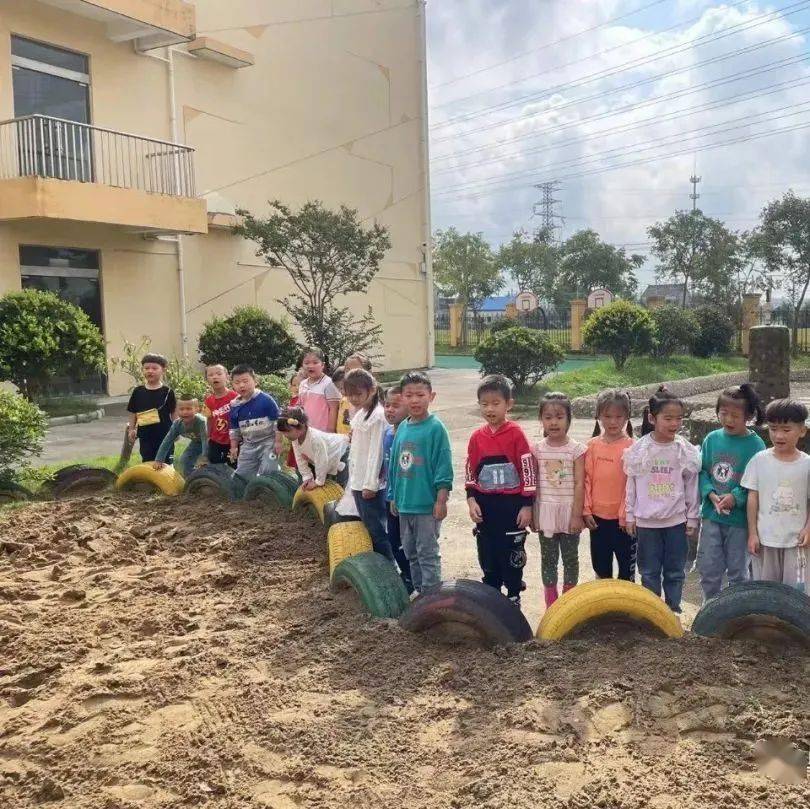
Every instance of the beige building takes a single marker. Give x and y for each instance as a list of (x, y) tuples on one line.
[(132, 129)]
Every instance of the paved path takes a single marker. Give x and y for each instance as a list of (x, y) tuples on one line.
[(456, 405)]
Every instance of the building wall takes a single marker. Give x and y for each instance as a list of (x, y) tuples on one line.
[(331, 110)]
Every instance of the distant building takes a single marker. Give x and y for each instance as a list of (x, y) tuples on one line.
[(494, 308), (670, 293)]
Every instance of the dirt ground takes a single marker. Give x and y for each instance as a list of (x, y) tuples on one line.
[(171, 653)]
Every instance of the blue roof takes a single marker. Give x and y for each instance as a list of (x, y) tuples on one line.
[(497, 303)]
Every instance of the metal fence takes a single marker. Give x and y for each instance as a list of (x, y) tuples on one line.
[(783, 317), (41, 146)]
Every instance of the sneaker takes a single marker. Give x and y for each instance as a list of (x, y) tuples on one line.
[(414, 595), (515, 600)]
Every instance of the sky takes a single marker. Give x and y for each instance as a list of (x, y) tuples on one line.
[(523, 92)]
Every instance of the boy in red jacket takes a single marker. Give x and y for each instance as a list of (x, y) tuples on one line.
[(501, 481)]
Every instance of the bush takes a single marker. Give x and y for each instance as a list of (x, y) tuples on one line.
[(41, 337), (714, 332), (277, 386), (523, 355), (502, 324), (620, 329), (248, 335), (22, 429), (675, 330)]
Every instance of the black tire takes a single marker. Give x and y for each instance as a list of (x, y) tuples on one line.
[(268, 490), (376, 582), (78, 479), (757, 610), (14, 493), (464, 610), (212, 480), (331, 517)]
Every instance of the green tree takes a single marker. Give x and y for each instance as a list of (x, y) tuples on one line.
[(620, 329), (326, 254), (42, 337), (465, 267), (22, 430), (697, 251), (523, 355), (530, 260), (675, 330)]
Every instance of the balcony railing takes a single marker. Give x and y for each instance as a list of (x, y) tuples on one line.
[(41, 146)]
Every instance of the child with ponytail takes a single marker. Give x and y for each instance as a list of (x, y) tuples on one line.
[(724, 456), (605, 485)]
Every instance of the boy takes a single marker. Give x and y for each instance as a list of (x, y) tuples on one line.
[(191, 424), (501, 484), (395, 414), (253, 426), (419, 480), (217, 410), (151, 408), (777, 483)]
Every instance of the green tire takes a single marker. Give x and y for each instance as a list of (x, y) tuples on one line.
[(14, 493), (268, 489), (375, 581)]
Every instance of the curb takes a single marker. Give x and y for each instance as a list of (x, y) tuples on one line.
[(78, 418)]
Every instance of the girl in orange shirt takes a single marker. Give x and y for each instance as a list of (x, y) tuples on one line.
[(605, 483)]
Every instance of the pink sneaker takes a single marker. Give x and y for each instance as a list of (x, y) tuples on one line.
[(551, 594)]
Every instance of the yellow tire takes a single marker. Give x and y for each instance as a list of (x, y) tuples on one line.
[(167, 480), (602, 599), (316, 499), (347, 539)]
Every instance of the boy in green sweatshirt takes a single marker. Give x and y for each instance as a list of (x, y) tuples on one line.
[(191, 424), (419, 480)]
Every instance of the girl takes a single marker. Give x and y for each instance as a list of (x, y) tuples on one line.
[(316, 394), (560, 494), (317, 454), (295, 381), (725, 454), (662, 496), (605, 484), (366, 481)]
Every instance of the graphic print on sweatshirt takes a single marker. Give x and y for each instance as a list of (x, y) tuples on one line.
[(722, 470), (661, 484), (408, 459)]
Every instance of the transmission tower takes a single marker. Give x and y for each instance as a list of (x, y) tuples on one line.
[(694, 196), (546, 210)]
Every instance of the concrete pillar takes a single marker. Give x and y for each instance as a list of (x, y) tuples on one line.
[(769, 361), (456, 323), (511, 311), (750, 318), (577, 319)]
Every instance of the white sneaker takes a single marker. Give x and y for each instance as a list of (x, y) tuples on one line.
[(414, 595)]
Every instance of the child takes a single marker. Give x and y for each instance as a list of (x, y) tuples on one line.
[(725, 455), (501, 484), (777, 483), (605, 484), (420, 479), (317, 454), (395, 413), (190, 424), (345, 411), (317, 395), (151, 408), (366, 457), (356, 361), (662, 496), (560, 495), (217, 410), (295, 381), (253, 426)]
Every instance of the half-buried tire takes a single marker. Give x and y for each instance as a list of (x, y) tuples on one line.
[(377, 584), (78, 479), (14, 493), (268, 489), (145, 477), (607, 601), (467, 611), (756, 610), (213, 480), (331, 516), (344, 540), (316, 499)]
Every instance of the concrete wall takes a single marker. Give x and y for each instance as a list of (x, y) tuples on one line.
[(331, 110)]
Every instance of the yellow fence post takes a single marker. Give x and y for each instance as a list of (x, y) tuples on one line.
[(750, 318), (456, 315), (577, 318)]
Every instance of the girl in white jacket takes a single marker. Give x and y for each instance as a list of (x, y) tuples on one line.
[(368, 425), (317, 454)]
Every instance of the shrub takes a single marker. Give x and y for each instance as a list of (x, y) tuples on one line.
[(277, 386), (248, 335), (714, 332), (675, 329), (523, 355), (620, 329), (42, 336), (502, 324), (22, 429)]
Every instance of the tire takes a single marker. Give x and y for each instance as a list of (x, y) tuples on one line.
[(467, 611), (331, 516), (167, 480), (78, 479), (288, 480), (14, 493), (603, 600), (213, 480), (378, 585), (344, 540), (759, 610), (268, 490), (316, 499)]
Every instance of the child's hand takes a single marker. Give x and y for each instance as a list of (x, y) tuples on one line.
[(475, 511), (630, 529), (439, 511), (724, 504), (394, 509), (524, 518), (309, 485), (132, 434), (233, 454), (158, 465), (804, 537), (753, 544), (590, 522), (576, 525), (369, 494), (691, 530)]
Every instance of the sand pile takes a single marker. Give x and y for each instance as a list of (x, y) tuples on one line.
[(168, 653)]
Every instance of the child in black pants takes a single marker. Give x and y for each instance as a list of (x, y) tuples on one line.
[(500, 483), (151, 408)]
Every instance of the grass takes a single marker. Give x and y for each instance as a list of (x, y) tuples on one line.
[(67, 405), (638, 371)]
